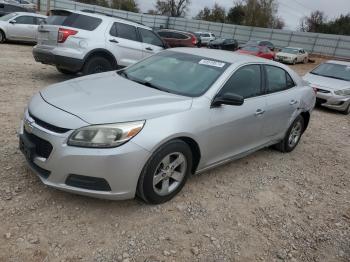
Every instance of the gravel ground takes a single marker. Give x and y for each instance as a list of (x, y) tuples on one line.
[(265, 207)]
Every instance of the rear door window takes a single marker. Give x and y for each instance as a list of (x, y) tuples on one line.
[(149, 37), (124, 31), (277, 79)]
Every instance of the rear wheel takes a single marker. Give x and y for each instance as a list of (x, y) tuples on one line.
[(2, 37), (292, 137), (97, 64), (165, 173), (306, 60), (65, 71)]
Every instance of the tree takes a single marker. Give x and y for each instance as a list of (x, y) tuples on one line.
[(174, 8), (126, 5), (216, 14), (261, 13), (314, 22), (236, 14)]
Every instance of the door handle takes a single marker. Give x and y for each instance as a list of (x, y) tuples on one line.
[(259, 112), (149, 49), (113, 41), (293, 102)]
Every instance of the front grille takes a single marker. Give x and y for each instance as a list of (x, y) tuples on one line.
[(42, 147), (48, 126), (320, 101), (88, 182), (322, 91)]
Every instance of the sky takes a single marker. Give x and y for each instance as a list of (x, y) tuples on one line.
[(290, 10)]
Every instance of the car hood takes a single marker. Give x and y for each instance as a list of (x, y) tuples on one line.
[(286, 55), (326, 82), (110, 98)]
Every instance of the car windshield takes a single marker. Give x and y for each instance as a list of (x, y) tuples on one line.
[(251, 48), (290, 51), (336, 71), (7, 17), (176, 73)]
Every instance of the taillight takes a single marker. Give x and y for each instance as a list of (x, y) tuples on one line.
[(194, 40), (64, 33)]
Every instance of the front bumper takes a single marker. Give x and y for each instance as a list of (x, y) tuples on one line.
[(120, 167), (47, 56), (331, 101)]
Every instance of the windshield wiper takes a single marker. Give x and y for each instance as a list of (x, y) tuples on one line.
[(123, 73)]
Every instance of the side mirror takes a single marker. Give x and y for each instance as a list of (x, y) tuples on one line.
[(228, 99), (13, 22)]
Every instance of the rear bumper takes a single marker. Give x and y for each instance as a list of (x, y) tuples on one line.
[(48, 57)]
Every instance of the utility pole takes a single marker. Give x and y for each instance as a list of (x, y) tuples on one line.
[(48, 7)]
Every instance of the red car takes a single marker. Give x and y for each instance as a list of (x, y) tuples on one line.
[(176, 38), (260, 51)]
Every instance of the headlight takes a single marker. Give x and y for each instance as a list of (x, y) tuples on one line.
[(105, 136), (344, 92)]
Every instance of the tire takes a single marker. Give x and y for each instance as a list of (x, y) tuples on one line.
[(97, 64), (347, 110), (156, 183), (294, 61), (66, 72), (2, 37), (293, 136), (306, 60)]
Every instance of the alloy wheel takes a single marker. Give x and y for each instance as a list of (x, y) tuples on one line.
[(295, 134), (169, 173)]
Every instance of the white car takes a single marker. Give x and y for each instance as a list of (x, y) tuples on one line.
[(331, 80), (206, 37), (292, 55), (26, 4), (20, 26), (88, 42)]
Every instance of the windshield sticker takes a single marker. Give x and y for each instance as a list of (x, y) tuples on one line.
[(211, 63)]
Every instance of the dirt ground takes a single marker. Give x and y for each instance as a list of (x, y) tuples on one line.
[(265, 207)]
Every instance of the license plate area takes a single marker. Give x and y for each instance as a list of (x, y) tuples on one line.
[(27, 147)]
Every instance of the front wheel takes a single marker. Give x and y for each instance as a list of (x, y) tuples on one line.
[(165, 173), (292, 137), (347, 110)]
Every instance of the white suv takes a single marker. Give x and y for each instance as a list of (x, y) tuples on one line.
[(88, 42), (206, 37)]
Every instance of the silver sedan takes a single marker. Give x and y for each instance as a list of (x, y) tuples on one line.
[(144, 129), (20, 26), (331, 80)]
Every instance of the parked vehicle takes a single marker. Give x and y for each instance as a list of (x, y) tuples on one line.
[(293, 55), (87, 42), (259, 43), (205, 37), (20, 26), (26, 4), (224, 44), (332, 82), (260, 51), (141, 130), (6, 8), (176, 38)]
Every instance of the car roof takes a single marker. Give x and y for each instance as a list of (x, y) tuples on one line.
[(292, 47), (31, 14), (338, 62), (222, 55), (105, 17)]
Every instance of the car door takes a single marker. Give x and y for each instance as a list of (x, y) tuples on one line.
[(124, 42), (23, 28), (237, 129), (282, 101), (151, 43)]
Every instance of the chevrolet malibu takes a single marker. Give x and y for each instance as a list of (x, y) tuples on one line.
[(141, 131)]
